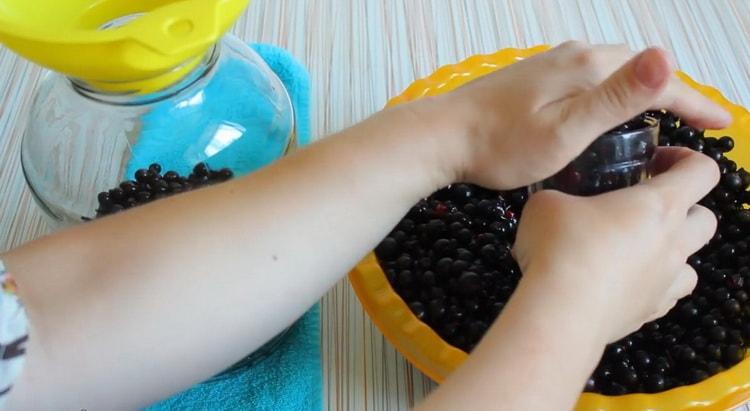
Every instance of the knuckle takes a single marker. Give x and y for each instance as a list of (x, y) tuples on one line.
[(713, 224), (706, 214), (689, 273), (689, 281), (586, 58), (708, 221), (573, 45), (692, 279)]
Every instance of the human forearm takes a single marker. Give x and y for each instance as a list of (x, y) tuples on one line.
[(537, 355), (256, 253)]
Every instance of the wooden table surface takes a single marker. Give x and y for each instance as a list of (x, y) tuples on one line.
[(362, 52)]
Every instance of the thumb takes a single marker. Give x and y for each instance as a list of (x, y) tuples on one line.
[(629, 91)]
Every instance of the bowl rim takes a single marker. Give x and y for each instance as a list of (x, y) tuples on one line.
[(424, 348)]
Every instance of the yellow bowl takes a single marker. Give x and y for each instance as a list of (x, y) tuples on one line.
[(424, 348)]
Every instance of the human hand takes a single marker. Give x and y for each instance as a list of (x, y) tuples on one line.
[(529, 120), (618, 260)]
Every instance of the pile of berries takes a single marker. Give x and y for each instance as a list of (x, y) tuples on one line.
[(449, 259), (150, 184)]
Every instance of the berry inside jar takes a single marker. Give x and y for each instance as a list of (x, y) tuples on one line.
[(617, 159), (449, 260), (150, 184)]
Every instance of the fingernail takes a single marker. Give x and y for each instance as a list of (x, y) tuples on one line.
[(726, 117), (649, 71)]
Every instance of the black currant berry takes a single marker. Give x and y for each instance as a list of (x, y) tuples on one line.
[(725, 144)]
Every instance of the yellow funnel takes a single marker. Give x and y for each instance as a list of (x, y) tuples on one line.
[(117, 45)]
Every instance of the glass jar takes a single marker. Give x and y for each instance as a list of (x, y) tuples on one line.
[(231, 111), (617, 159)]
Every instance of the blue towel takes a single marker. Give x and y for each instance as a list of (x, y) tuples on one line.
[(180, 135), (289, 377)]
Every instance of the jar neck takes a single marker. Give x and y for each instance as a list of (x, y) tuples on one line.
[(154, 89)]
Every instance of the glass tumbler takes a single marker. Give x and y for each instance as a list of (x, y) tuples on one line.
[(617, 159)]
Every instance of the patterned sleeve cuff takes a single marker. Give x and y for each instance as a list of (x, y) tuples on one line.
[(13, 334)]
